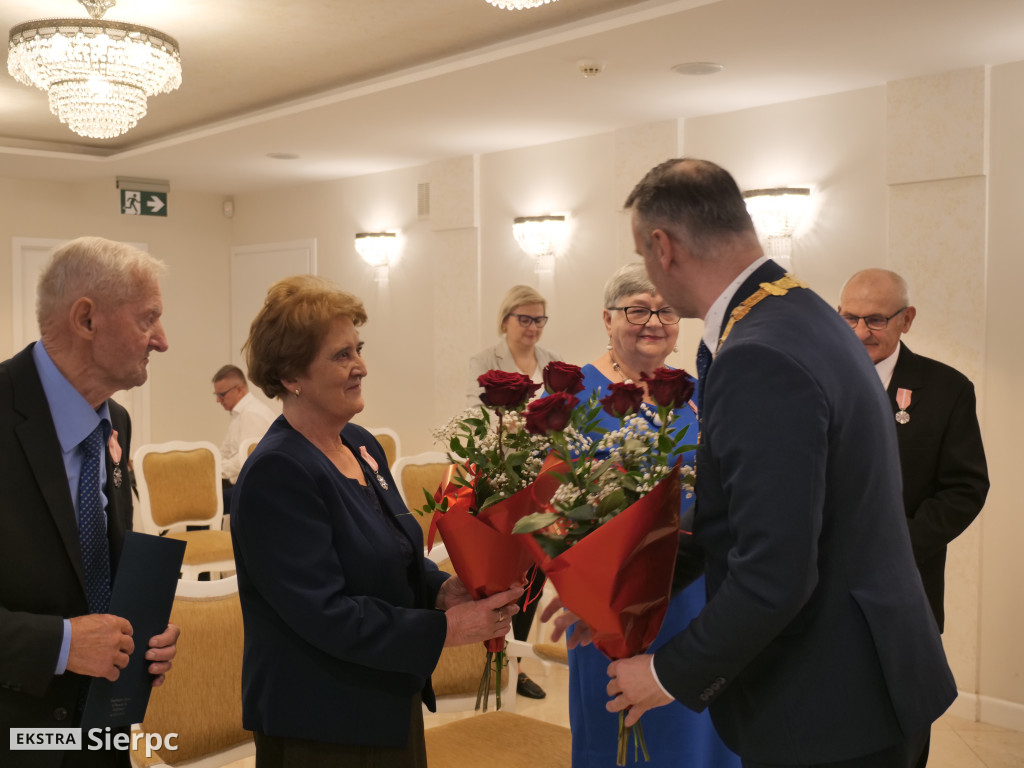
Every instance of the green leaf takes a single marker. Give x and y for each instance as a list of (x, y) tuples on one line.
[(534, 522), (613, 502), (551, 545), (492, 499), (582, 512)]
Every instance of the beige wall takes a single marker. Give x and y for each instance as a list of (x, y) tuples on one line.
[(194, 240), (438, 307), (1001, 660)]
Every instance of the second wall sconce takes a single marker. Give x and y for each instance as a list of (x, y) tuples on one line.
[(542, 237), (379, 250), (776, 213)]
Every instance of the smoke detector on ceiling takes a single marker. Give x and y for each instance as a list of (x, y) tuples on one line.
[(590, 67)]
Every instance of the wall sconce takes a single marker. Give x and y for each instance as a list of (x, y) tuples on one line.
[(541, 237), (776, 213), (379, 250)]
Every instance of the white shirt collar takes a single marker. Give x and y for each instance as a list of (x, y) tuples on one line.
[(716, 313), (884, 368)]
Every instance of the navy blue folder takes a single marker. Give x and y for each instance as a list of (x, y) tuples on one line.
[(143, 593)]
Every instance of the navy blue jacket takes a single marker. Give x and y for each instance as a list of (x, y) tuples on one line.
[(339, 633), (817, 643)]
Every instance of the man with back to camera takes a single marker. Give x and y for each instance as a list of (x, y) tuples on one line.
[(816, 646), (945, 477), (65, 497), (250, 419)]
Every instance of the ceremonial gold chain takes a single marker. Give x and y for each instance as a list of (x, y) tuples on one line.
[(780, 287)]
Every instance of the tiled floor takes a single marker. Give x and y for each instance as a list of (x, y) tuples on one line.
[(956, 743)]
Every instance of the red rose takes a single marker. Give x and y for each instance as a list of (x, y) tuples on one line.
[(669, 388), (506, 390), (622, 400), (563, 377), (550, 414)]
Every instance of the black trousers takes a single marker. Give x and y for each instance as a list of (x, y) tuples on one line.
[(523, 620), (905, 754), (276, 752)]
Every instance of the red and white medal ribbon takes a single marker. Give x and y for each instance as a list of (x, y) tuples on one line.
[(903, 401)]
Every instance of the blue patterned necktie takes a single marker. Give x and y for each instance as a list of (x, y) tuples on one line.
[(92, 525), (703, 363)]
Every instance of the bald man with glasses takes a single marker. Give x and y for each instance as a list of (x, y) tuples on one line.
[(945, 478)]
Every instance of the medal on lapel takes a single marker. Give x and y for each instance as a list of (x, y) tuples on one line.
[(903, 401), (115, 455), (372, 463)]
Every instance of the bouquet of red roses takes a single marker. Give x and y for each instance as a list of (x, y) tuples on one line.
[(482, 498), (608, 534)]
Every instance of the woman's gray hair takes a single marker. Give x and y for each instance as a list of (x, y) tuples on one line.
[(106, 271), (628, 280)]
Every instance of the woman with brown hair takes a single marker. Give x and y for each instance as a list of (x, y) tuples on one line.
[(344, 617)]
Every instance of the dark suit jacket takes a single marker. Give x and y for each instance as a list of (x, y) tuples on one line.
[(945, 478), (41, 579), (816, 644), (339, 635)]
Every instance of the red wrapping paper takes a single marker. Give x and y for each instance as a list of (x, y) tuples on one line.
[(618, 578), (486, 556)]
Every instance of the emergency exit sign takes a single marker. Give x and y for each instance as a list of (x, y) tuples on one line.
[(139, 203)]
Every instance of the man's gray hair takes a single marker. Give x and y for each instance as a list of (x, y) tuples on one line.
[(106, 271)]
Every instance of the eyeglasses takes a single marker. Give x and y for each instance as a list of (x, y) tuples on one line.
[(642, 315), (527, 320), (222, 395), (873, 322)]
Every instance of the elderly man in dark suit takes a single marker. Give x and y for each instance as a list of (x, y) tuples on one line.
[(816, 646), (65, 498), (945, 477)]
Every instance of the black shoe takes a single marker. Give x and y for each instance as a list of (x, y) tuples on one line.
[(526, 687)]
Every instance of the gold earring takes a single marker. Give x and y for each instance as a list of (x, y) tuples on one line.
[(297, 391)]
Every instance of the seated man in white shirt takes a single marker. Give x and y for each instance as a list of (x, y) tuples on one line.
[(250, 419)]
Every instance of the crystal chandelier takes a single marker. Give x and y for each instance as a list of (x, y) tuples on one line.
[(97, 73), (518, 5)]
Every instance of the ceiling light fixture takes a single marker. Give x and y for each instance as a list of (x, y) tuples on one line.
[(541, 237), (518, 5), (97, 73), (776, 213), (698, 68)]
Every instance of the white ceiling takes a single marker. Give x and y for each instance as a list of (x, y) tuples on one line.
[(360, 86)]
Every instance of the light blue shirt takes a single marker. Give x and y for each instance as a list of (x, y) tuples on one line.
[(74, 420)]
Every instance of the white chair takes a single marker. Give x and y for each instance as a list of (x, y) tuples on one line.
[(416, 474), (248, 446), (390, 442), (179, 485), (201, 699)]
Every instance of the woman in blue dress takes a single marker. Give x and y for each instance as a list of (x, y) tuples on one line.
[(642, 331)]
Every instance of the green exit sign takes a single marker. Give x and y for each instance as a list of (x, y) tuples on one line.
[(134, 203)]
